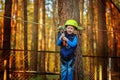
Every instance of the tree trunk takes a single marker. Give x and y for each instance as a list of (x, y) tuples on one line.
[(1, 20), (115, 42), (14, 25), (7, 36), (35, 38), (69, 9), (102, 45), (25, 35), (55, 21), (90, 38), (44, 40), (81, 5)]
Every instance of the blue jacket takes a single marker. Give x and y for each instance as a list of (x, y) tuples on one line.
[(66, 51)]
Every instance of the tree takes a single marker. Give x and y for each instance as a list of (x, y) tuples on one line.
[(1, 19), (43, 41), (14, 26), (55, 21), (34, 38), (115, 23), (25, 35), (69, 9), (90, 37), (7, 35), (102, 45)]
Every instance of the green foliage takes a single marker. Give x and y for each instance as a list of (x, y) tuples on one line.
[(52, 77), (37, 77), (49, 77)]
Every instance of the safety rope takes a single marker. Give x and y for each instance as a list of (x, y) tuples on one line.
[(32, 22)]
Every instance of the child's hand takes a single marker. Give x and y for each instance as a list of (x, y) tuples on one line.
[(62, 35)]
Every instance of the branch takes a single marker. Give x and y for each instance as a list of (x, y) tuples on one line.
[(115, 6)]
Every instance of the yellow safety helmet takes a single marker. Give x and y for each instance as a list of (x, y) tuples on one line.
[(73, 23)]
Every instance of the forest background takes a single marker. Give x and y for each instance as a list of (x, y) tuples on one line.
[(28, 34)]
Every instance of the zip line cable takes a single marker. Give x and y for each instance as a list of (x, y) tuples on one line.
[(32, 22), (21, 20)]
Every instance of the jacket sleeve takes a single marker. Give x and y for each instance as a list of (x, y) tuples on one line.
[(58, 40), (73, 43)]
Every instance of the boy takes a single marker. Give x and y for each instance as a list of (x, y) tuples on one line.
[(67, 56)]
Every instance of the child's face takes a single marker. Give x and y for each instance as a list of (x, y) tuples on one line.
[(70, 29)]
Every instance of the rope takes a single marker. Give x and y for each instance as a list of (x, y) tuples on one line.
[(32, 22)]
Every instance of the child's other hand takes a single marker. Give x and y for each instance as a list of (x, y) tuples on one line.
[(64, 38)]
